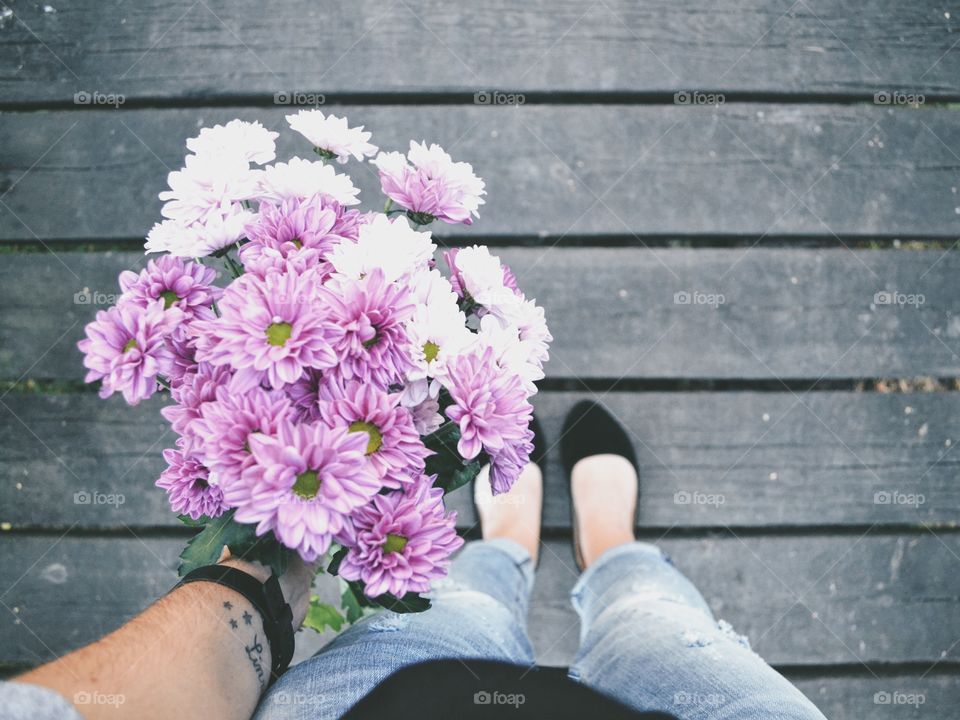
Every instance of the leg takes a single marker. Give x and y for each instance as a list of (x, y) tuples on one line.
[(649, 639), (479, 611)]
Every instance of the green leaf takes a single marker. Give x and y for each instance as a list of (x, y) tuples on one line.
[(446, 463), (350, 603), (409, 603), (190, 522), (321, 616), (205, 547), (334, 567), (459, 478)]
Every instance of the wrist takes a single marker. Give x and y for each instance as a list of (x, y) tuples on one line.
[(259, 571), (267, 601)]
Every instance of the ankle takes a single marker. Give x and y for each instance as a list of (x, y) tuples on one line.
[(514, 515), (597, 546), (604, 491)]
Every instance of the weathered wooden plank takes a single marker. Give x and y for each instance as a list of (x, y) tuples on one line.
[(801, 600), (784, 313), (762, 459), (706, 460), (79, 459), (551, 170), (934, 696), (875, 599), (182, 50)]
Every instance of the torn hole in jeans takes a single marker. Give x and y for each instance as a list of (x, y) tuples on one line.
[(697, 638), (389, 622), (727, 630)]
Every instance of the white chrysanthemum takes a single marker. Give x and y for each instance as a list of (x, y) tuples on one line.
[(199, 239), (429, 286), (302, 179), (515, 355), (481, 275), (436, 162), (206, 187), (331, 136), (438, 328), (392, 163), (250, 141), (393, 246), (164, 236), (528, 318)]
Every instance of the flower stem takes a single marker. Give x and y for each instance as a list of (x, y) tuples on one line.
[(235, 269)]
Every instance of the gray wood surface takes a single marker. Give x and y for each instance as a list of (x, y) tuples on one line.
[(822, 525), (786, 313), (560, 171), (757, 460), (811, 600), (182, 50), (842, 697), (826, 600)]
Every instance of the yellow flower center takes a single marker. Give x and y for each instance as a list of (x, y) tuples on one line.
[(131, 344), (431, 349), (307, 484), (376, 439), (394, 543), (169, 298), (279, 333)]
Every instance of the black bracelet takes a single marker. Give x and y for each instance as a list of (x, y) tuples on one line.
[(267, 598)]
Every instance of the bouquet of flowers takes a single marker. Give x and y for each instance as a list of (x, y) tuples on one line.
[(330, 393)]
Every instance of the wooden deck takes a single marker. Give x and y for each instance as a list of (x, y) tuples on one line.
[(797, 200)]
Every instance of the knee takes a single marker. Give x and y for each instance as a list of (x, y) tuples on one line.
[(297, 695)]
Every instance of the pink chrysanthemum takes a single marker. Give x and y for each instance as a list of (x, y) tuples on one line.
[(179, 283), (126, 347), (183, 346), (227, 423), (186, 481), (431, 186), (374, 346), (507, 463), (489, 404), (305, 396), (305, 481), (394, 448), (297, 234), (193, 390), (401, 542), (426, 415), (270, 329)]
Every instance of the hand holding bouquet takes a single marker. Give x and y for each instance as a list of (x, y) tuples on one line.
[(340, 384)]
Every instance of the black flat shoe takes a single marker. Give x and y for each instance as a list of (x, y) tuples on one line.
[(590, 429), (539, 453)]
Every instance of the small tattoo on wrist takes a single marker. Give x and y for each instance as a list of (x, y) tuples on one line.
[(254, 651)]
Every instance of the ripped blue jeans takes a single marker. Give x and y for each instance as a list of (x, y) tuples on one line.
[(647, 638)]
